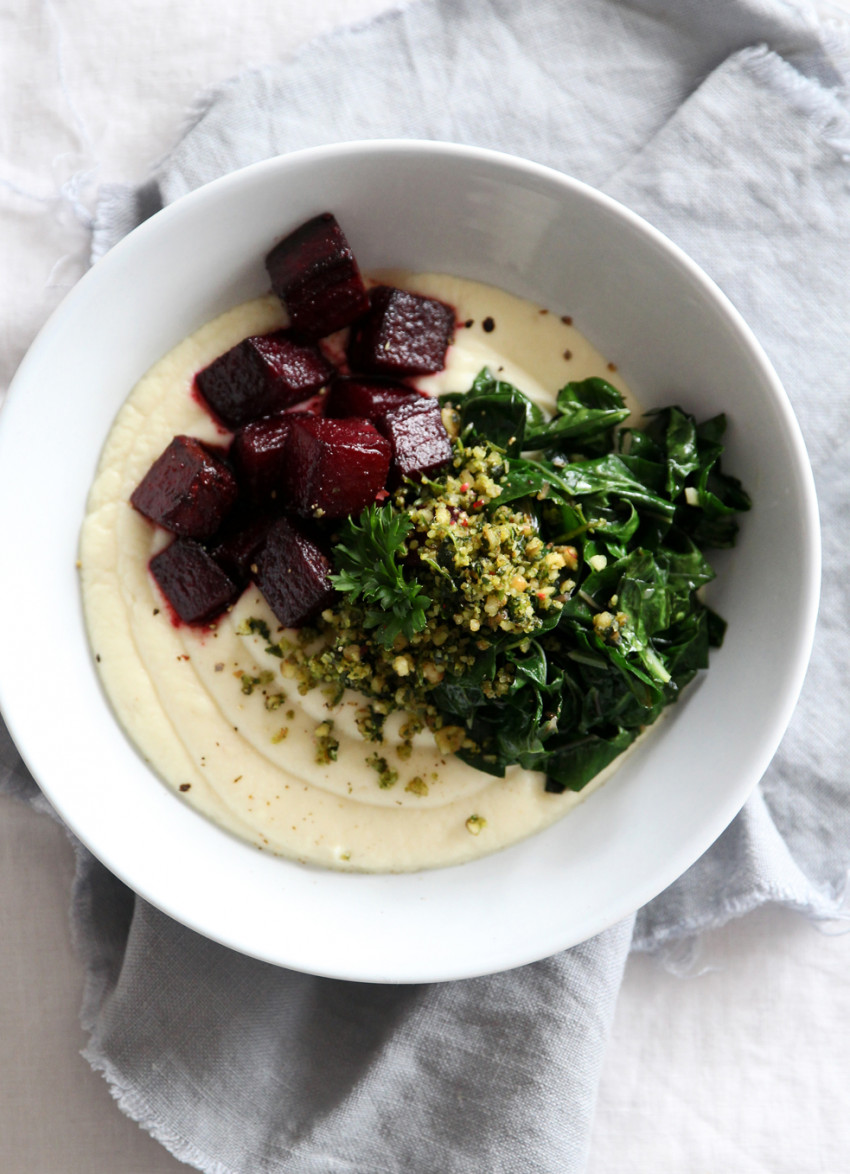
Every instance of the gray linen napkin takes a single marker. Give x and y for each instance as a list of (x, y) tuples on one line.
[(726, 125)]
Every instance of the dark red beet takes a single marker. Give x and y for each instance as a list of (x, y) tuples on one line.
[(259, 455), (335, 467), (314, 272), (418, 437), (262, 375), (292, 574), (187, 489), (402, 334), (349, 395), (235, 546), (193, 583)]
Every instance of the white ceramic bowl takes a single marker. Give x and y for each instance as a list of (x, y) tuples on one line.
[(422, 206)]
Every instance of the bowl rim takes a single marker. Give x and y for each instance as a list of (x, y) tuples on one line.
[(12, 705)]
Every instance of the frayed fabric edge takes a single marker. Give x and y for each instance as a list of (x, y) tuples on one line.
[(202, 103), (834, 28), (132, 1105), (821, 106), (676, 947)]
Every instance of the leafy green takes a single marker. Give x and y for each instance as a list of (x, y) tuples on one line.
[(640, 506), (367, 559), (587, 412), (497, 410)]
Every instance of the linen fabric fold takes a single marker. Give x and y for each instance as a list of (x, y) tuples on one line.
[(727, 127)]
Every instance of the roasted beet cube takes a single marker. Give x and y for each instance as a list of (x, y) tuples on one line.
[(292, 574), (235, 546), (418, 437), (259, 455), (335, 467), (402, 334), (193, 583), (314, 272), (350, 395), (187, 489), (262, 375)]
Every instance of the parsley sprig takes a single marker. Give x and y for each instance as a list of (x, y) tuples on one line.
[(368, 565)]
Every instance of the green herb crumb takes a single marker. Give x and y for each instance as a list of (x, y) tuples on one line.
[(387, 777), (327, 746)]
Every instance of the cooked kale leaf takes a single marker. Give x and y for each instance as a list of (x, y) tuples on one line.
[(559, 674), (641, 505)]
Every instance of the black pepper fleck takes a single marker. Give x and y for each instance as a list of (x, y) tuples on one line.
[(185, 786), (488, 325), (470, 322)]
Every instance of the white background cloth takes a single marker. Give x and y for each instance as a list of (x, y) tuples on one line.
[(743, 1067)]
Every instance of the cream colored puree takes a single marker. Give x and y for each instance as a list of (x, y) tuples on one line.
[(178, 692)]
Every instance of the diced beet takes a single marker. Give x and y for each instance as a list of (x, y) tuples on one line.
[(193, 583), (314, 272), (235, 546), (419, 440), (402, 334), (335, 467), (292, 574), (262, 375), (349, 395), (259, 455), (187, 489)]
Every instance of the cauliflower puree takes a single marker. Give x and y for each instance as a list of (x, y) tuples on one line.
[(211, 711)]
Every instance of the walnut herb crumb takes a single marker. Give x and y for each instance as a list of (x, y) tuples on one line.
[(254, 627), (387, 777), (475, 823), (249, 683), (485, 572), (327, 746), (370, 723)]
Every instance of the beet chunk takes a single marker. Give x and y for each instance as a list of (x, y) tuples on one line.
[(402, 334), (418, 437), (235, 546), (193, 583), (292, 574), (314, 272), (349, 395), (187, 489), (262, 375), (335, 467), (259, 455)]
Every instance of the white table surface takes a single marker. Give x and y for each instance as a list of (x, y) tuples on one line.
[(744, 1067)]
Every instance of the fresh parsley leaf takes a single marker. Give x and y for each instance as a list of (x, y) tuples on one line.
[(368, 568)]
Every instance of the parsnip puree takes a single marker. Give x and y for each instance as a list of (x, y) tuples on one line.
[(248, 759)]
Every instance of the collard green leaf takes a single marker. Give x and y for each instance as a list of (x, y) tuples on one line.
[(497, 410), (587, 411)]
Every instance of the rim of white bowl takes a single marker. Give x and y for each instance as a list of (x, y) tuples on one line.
[(14, 708)]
